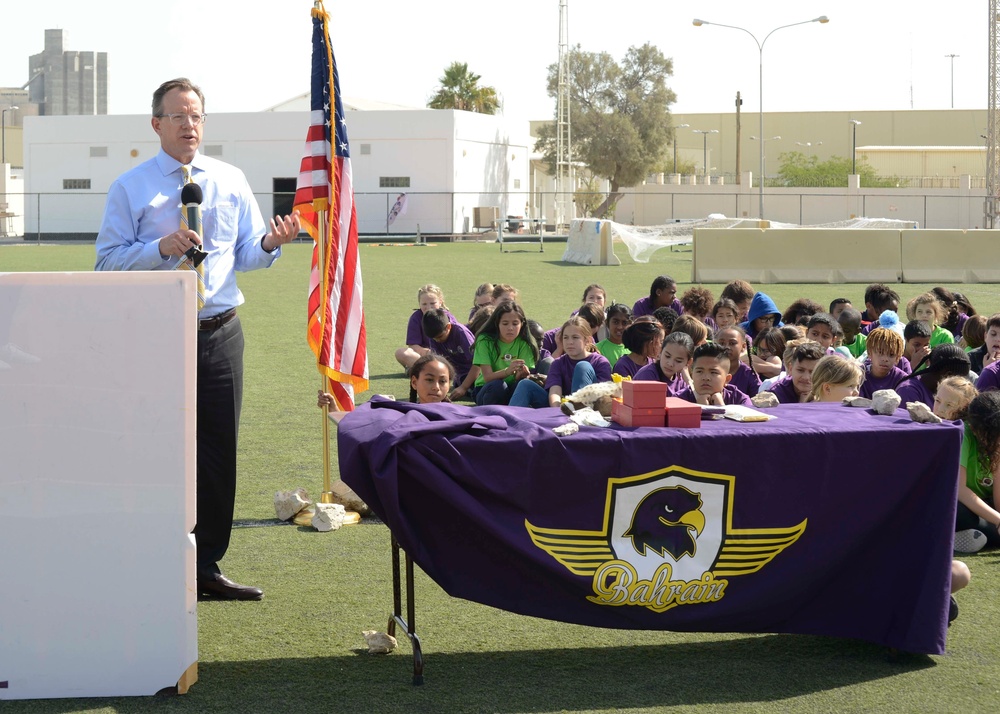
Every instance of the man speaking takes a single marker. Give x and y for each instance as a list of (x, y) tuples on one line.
[(146, 227)]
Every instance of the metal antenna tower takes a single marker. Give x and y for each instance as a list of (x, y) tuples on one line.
[(992, 123), (565, 182)]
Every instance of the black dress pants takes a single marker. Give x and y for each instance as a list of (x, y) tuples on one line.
[(220, 398)]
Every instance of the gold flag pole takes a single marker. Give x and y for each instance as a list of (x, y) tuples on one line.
[(327, 495)]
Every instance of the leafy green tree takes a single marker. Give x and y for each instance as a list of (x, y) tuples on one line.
[(460, 90), (620, 115), (797, 169)]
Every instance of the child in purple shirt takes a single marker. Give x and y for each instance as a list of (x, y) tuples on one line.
[(662, 293), (710, 378), (801, 361), (734, 339), (429, 297), (885, 348), (644, 339), (672, 365), (945, 360), (577, 368), (455, 342)]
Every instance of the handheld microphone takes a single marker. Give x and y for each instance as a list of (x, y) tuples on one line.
[(191, 197)]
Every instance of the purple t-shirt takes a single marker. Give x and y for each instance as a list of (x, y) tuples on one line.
[(730, 395), (784, 390), (913, 390), (415, 329), (458, 349), (627, 368), (549, 339), (989, 378), (561, 371), (746, 380), (874, 384), (652, 373), (644, 306)]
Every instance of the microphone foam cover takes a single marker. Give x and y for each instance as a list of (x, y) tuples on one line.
[(192, 193)]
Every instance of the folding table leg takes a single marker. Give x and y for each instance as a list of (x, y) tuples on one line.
[(397, 615)]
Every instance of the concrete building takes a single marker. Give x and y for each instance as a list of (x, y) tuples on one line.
[(446, 162), (61, 81)]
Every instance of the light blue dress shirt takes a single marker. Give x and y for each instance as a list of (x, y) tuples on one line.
[(144, 205)]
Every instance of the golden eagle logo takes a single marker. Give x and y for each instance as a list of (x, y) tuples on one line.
[(667, 540)]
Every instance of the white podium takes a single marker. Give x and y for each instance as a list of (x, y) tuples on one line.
[(97, 484)]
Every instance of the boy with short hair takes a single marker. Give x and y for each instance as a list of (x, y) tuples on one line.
[(838, 305), (710, 378), (850, 323), (987, 354), (917, 342), (800, 360), (822, 328), (453, 341), (885, 347), (878, 299)]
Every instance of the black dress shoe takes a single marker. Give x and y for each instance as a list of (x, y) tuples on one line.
[(222, 588)]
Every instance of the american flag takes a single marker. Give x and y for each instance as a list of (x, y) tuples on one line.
[(324, 194)]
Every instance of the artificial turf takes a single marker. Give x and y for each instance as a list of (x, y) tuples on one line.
[(301, 648)]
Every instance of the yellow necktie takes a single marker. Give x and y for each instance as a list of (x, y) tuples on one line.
[(200, 270)]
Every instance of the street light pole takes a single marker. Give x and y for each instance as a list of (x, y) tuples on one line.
[(3, 133), (704, 147), (822, 19), (763, 165), (952, 58), (679, 126), (854, 147)]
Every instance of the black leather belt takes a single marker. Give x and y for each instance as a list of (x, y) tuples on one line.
[(217, 321)]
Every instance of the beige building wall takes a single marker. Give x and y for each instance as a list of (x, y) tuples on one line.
[(903, 128)]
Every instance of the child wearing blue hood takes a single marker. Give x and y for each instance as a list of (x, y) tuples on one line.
[(763, 313)]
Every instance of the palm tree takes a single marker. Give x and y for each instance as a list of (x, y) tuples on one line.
[(460, 90)]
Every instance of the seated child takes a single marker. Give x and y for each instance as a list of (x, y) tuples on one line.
[(697, 302), (979, 467), (725, 313), (952, 398), (768, 348), (596, 295), (710, 378), (763, 313), (838, 305), (823, 329), (431, 377), (741, 293), (453, 341), (989, 353), (878, 299), (692, 327), (926, 308), (483, 297), (973, 338), (575, 369), (502, 292), (666, 316), (800, 360), (429, 297), (834, 379), (916, 342), (617, 318), (643, 339), (544, 356), (953, 316), (741, 376), (505, 352), (944, 360), (884, 347), (662, 293), (850, 323), (480, 317), (799, 312), (590, 312), (672, 365)]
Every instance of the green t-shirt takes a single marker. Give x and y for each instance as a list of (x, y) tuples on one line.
[(498, 355), (857, 347), (611, 351), (974, 471), (941, 336)]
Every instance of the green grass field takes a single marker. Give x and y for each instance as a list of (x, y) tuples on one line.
[(301, 648)]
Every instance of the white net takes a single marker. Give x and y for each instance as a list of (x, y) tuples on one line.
[(643, 241)]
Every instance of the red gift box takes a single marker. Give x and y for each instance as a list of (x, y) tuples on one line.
[(682, 413), (643, 394), (632, 416)]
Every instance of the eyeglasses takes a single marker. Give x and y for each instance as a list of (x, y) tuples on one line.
[(179, 119)]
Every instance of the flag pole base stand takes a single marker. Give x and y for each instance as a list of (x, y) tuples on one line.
[(327, 497)]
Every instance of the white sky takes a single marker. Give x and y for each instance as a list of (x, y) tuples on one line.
[(253, 54)]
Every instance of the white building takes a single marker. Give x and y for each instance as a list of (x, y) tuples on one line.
[(447, 162)]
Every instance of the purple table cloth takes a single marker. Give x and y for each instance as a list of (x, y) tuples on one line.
[(758, 527)]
